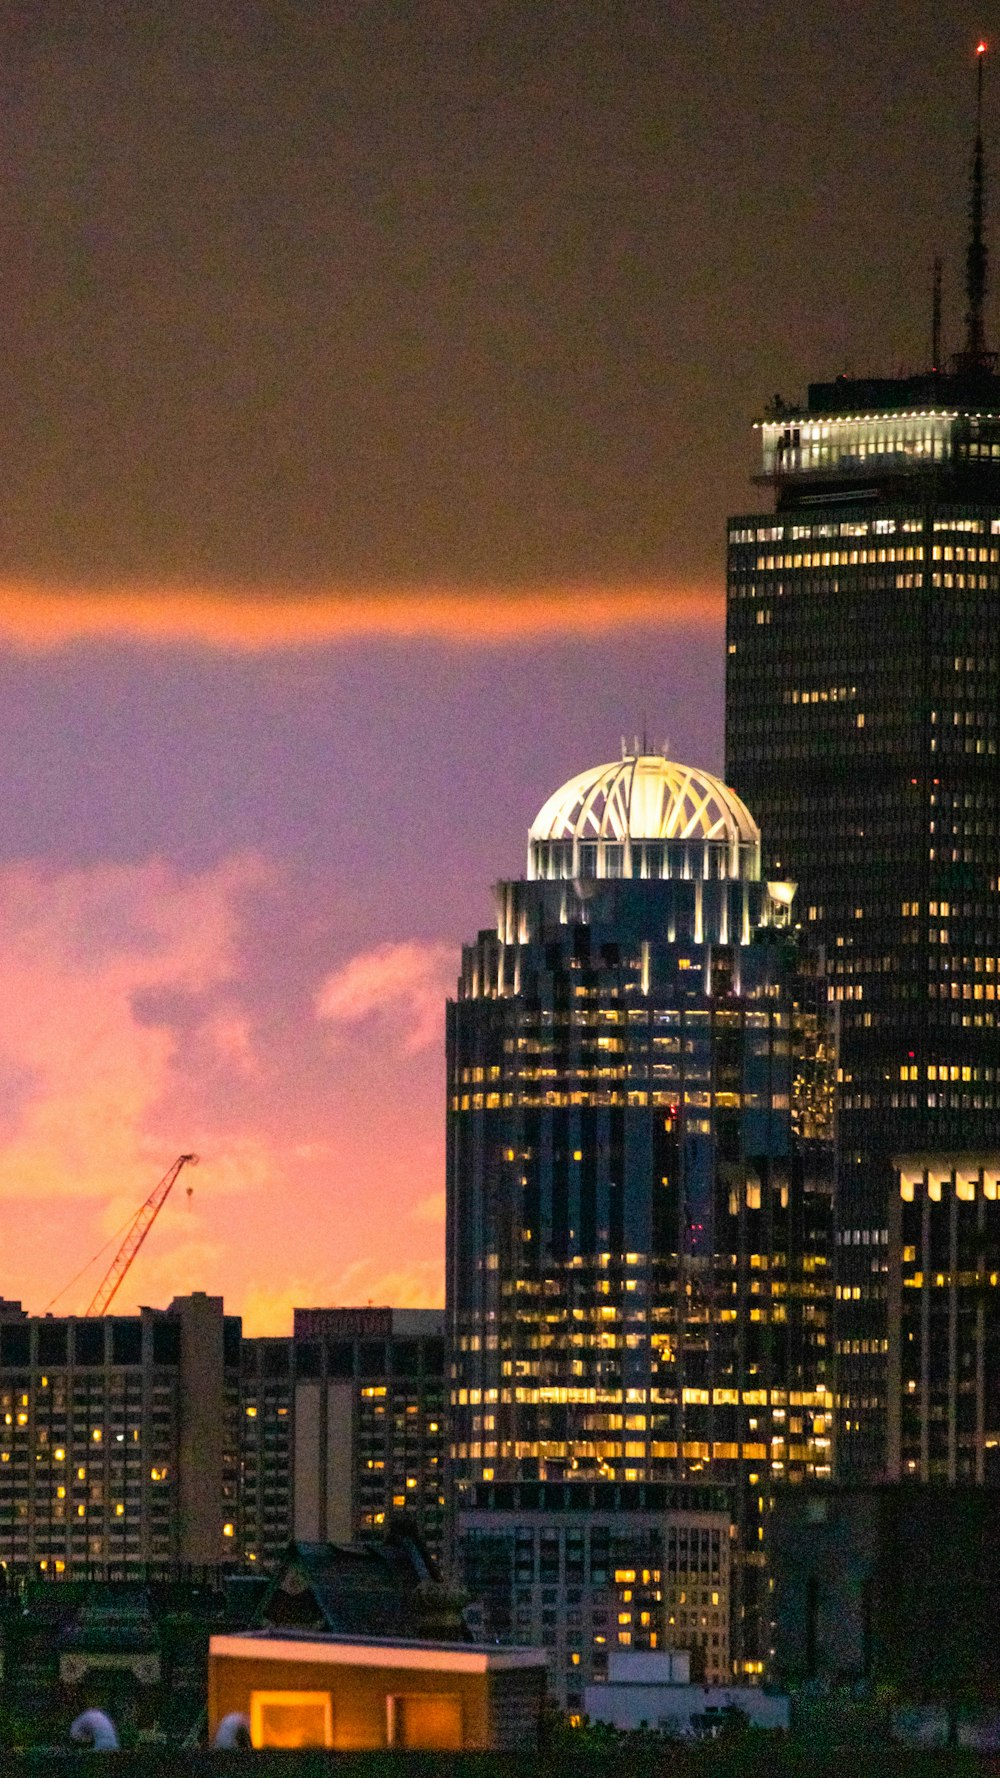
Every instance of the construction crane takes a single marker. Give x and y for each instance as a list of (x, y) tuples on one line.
[(136, 1233)]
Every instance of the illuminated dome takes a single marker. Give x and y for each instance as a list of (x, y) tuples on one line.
[(644, 816)]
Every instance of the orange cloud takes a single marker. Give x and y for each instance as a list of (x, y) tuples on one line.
[(118, 1001), (430, 1209), (409, 981), (267, 1308), (238, 620)]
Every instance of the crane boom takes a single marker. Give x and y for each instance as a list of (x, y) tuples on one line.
[(138, 1229)]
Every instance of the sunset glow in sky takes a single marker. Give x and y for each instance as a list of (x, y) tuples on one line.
[(375, 383), (235, 892)]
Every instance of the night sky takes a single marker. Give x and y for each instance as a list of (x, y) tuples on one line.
[(376, 380)]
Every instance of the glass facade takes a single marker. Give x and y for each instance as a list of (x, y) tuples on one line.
[(863, 724), (639, 1197), (944, 1321)]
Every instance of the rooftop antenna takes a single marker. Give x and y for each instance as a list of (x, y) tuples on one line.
[(975, 356), (936, 316)]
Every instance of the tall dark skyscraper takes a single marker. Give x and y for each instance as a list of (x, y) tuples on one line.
[(863, 726), (638, 1160)]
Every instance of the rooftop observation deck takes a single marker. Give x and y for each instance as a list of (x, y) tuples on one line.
[(875, 437)]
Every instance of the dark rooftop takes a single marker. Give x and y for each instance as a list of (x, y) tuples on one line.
[(929, 389)]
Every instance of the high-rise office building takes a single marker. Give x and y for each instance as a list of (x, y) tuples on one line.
[(863, 727), (119, 1439), (943, 1403), (638, 1159)]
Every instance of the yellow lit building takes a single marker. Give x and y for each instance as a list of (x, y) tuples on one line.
[(119, 1440), (944, 1319), (640, 1080), (587, 1569), (296, 1690)]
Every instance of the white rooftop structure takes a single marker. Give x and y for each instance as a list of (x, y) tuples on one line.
[(644, 816), (653, 1690)]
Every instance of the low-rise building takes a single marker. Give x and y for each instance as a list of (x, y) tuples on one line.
[(587, 1568), (296, 1689), (654, 1691), (384, 1587), (136, 1650)]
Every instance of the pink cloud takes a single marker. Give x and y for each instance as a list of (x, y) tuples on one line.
[(430, 1209), (136, 1022), (78, 952), (404, 984)]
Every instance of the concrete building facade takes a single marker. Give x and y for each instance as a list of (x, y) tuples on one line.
[(166, 1438), (370, 1423), (119, 1439), (891, 1586), (654, 1691), (584, 1569)]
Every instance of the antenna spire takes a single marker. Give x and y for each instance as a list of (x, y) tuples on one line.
[(975, 356), (936, 316)]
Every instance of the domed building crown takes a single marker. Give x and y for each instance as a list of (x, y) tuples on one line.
[(644, 816)]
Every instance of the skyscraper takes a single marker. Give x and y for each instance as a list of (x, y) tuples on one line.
[(638, 1189), (863, 725)]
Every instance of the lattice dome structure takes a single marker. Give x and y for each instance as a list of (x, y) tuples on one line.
[(644, 816)]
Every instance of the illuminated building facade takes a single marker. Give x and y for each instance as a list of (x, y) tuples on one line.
[(585, 1568), (119, 1440), (863, 726), (944, 1320), (370, 1423), (638, 1159), (361, 1693), (165, 1439), (267, 1441)]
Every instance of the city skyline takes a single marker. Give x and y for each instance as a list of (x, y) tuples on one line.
[(429, 315)]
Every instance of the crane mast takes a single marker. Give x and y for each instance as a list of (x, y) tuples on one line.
[(138, 1229)]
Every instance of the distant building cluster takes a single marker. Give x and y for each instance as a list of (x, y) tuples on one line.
[(723, 1154), (137, 1443)]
